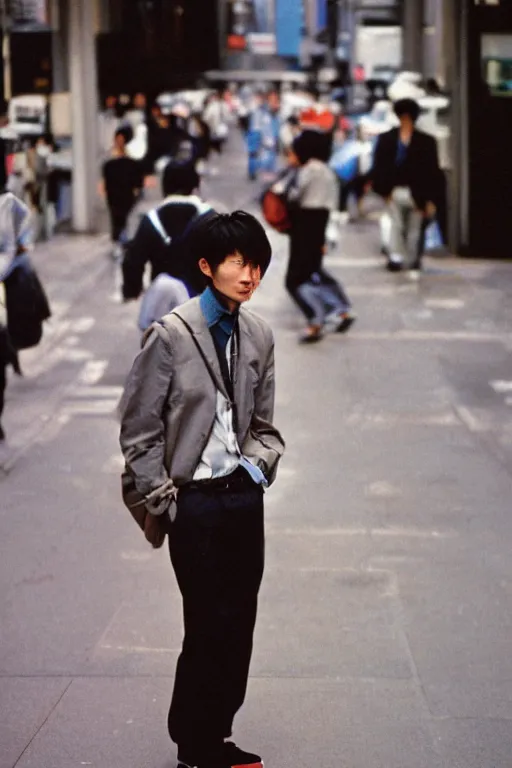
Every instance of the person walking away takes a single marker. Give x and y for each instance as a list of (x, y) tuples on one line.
[(311, 199), (353, 173), (159, 241), (406, 174), (199, 441), (122, 184), (263, 135), (15, 239), (216, 116), (108, 122), (159, 138)]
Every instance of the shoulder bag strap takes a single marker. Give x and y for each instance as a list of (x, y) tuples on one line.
[(157, 224)]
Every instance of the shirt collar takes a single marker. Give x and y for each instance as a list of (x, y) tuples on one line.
[(214, 312)]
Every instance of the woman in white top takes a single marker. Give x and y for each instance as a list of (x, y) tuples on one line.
[(312, 198)]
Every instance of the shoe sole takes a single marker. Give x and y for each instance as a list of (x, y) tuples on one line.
[(344, 326), (250, 765), (243, 765)]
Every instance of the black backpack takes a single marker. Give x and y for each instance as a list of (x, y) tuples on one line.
[(27, 306)]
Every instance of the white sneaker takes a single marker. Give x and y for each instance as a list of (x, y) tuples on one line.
[(395, 262), (413, 275)]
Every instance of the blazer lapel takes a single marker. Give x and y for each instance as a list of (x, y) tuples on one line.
[(193, 316), (242, 362)]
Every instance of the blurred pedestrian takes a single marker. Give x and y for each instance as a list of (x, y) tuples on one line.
[(159, 241), (122, 185), (312, 198), (200, 446), (406, 174), (352, 163), (159, 137), (263, 135), (216, 115), (108, 122), (136, 114), (15, 239)]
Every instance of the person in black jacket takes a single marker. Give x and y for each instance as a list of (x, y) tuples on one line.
[(159, 236), (123, 182), (406, 174)]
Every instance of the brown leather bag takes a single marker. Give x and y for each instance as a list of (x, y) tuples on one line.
[(154, 527)]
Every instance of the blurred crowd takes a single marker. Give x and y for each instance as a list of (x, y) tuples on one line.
[(313, 166)]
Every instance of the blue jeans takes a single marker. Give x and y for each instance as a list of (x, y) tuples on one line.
[(324, 295)]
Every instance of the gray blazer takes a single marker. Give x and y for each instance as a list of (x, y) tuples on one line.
[(169, 403)]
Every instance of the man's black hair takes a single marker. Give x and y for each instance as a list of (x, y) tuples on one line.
[(179, 178), (126, 131), (407, 107), (312, 145), (214, 236)]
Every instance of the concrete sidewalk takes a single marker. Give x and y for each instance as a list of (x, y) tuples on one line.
[(385, 619)]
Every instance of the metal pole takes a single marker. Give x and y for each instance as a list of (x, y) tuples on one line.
[(84, 111), (6, 51)]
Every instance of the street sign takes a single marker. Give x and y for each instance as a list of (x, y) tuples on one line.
[(262, 43)]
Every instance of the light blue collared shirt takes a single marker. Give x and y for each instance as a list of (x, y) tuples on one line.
[(222, 454)]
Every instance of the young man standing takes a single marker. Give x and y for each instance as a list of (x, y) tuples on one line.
[(199, 442)]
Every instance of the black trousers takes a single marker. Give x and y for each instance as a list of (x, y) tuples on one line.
[(217, 551), (3, 383), (118, 221)]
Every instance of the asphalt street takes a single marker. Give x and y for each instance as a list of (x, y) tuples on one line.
[(385, 622)]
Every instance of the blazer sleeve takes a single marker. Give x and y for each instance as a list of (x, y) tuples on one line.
[(264, 444), (142, 436), (434, 169)]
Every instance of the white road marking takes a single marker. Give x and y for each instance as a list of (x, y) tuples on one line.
[(445, 303), (95, 408), (82, 324), (413, 533), (92, 372), (139, 649), (382, 489), (136, 557), (410, 335), (358, 261), (501, 386), (444, 419), (94, 392), (468, 419)]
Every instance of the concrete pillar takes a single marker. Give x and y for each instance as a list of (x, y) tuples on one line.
[(455, 59), (413, 35), (59, 15), (84, 113)]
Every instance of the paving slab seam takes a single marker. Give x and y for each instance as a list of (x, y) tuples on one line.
[(484, 437), (50, 713)]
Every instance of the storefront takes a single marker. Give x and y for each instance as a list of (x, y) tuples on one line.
[(485, 140)]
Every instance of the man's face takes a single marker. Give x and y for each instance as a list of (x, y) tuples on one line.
[(139, 101), (235, 278), (273, 101), (119, 142)]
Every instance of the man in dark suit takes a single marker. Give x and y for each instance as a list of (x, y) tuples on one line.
[(406, 174)]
